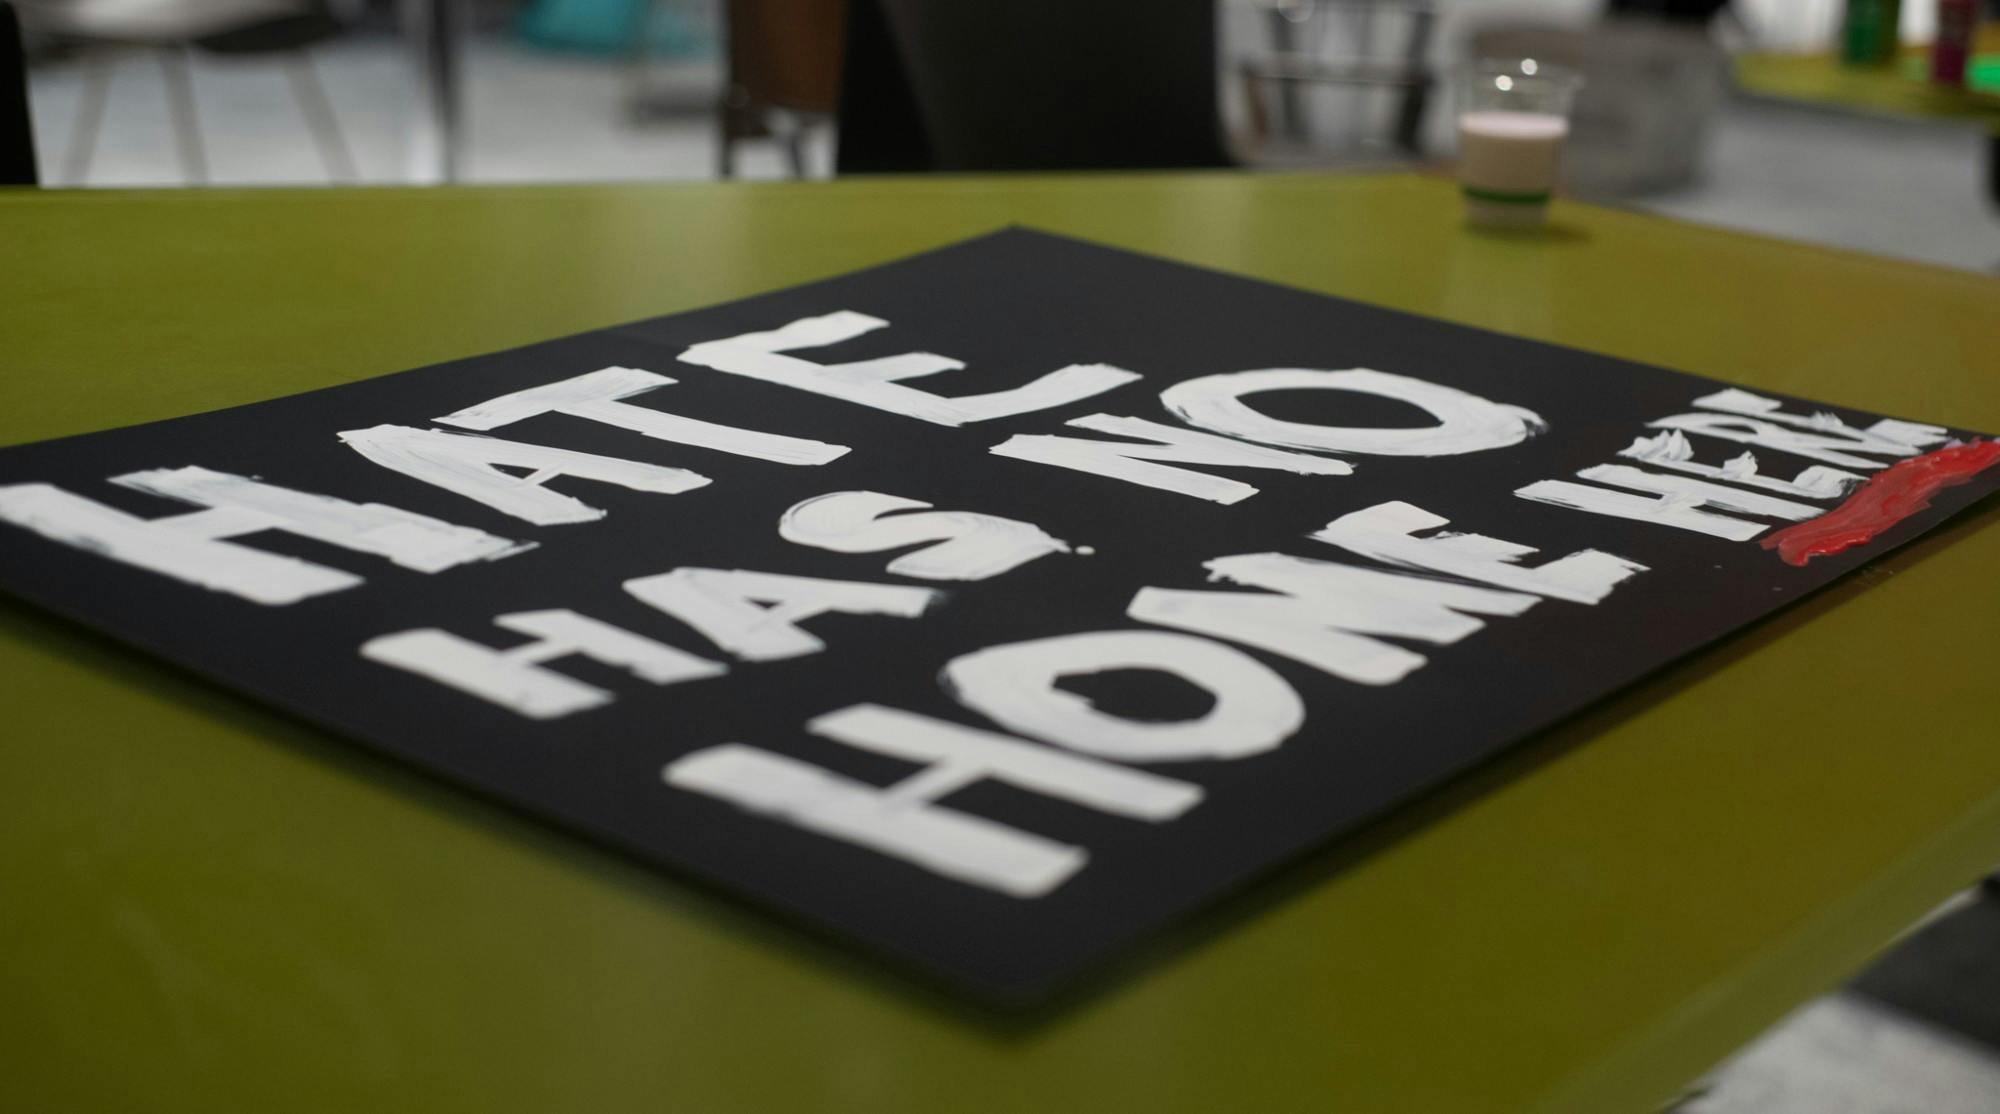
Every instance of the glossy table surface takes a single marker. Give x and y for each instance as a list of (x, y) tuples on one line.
[(207, 907)]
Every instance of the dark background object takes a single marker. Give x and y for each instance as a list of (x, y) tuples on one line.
[(880, 129), (17, 133), (1031, 85), (1678, 11), (1948, 973), (310, 25), (782, 54)]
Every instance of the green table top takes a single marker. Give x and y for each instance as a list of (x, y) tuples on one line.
[(1901, 88), (207, 907)]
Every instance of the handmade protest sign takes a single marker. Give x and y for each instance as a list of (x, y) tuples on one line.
[(992, 607)]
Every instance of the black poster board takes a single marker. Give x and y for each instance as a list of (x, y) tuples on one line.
[(992, 660)]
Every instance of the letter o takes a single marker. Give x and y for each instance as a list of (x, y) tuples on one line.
[(1467, 423), (1014, 685)]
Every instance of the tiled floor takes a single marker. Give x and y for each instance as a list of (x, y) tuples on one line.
[(1889, 187), (1847, 1054), (1921, 1033), (1918, 1033)]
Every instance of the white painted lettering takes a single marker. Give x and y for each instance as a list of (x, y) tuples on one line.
[(1386, 532), (1466, 423), (598, 396), (878, 383), (1321, 612), (904, 820), (516, 679), (470, 466), (190, 547), (1015, 686), (1673, 501), (1130, 461), (970, 546), (1670, 450), (756, 615)]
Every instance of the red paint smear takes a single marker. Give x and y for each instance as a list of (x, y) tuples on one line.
[(1889, 497)]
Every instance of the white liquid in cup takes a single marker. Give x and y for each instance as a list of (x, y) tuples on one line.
[(1507, 164)]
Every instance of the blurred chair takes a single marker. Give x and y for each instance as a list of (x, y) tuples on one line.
[(667, 42), (979, 85), (17, 133), (1356, 46), (170, 29), (783, 75)]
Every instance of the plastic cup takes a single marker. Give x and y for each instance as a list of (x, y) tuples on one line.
[(1513, 116)]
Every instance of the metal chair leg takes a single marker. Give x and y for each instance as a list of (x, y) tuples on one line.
[(320, 120), (434, 28), (89, 117), (794, 140), (728, 126), (1416, 98), (180, 105)]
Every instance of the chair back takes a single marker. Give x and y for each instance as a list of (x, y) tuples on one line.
[(17, 133), (1032, 85), (786, 53)]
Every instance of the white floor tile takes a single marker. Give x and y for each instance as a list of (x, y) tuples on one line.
[(1846, 1055)]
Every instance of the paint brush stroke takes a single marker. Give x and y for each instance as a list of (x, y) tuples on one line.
[(1892, 495)]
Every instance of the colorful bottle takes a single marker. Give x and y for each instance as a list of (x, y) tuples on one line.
[(1955, 20), (1868, 37)]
